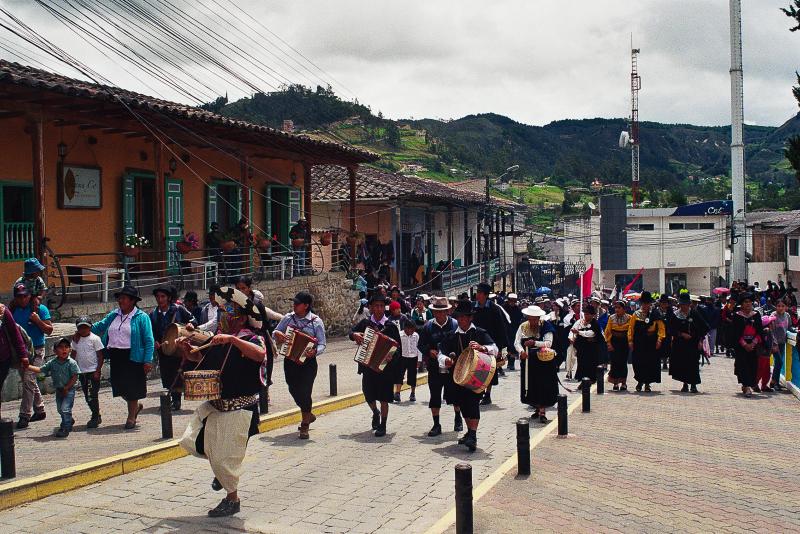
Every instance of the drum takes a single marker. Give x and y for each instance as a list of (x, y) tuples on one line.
[(175, 331), (474, 370), (545, 355), (201, 385)]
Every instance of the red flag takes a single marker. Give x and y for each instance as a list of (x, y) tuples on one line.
[(586, 282), (635, 278)]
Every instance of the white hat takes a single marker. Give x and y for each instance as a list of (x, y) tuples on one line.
[(513, 296), (534, 311), (492, 295)]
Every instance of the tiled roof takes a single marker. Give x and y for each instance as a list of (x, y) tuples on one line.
[(331, 183), (24, 76)]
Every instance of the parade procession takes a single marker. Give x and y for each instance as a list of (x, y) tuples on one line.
[(380, 267)]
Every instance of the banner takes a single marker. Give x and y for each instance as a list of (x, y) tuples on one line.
[(635, 278)]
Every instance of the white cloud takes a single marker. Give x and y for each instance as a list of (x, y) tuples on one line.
[(533, 60)]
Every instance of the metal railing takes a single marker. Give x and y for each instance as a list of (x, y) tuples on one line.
[(98, 274), (470, 275), (18, 241)]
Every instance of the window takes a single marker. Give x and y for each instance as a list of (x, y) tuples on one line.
[(706, 226), (641, 227), (676, 226), (793, 247), (144, 223), (17, 222), (674, 282), (691, 226), (622, 280)]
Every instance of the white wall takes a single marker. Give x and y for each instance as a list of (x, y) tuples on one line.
[(762, 271), (665, 248)]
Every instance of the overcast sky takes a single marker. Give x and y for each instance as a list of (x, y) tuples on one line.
[(533, 60)]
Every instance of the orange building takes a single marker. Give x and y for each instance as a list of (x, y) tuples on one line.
[(85, 165)]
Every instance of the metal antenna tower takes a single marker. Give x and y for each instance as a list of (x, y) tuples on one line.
[(738, 257), (636, 86)]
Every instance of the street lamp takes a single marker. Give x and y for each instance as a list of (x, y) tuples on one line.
[(509, 170)]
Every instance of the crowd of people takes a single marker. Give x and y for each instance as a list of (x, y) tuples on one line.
[(429, 333)]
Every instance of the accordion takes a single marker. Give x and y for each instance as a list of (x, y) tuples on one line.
[(375, 350), (296, 344)]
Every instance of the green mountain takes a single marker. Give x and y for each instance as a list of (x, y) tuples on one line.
[(682, 158)]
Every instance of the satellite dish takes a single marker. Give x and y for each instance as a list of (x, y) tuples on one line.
[(592, 206), (624, 140)]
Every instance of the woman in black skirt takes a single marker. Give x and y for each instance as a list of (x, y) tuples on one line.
[(747, 335), (534, 341), (616, 336), (128, 337)]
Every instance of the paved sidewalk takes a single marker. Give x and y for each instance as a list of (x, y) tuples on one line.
[(342, 480), (661, 462), (38, 451)]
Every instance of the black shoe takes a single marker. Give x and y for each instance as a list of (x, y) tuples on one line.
[(543, 418), (436, 430), (397, 397), (175, 406), (225, 508), (376, 421), (22, 423), (511, 366), (458, 425), (62, 433), (215, 485), (616, 387), (757, 389), (38, 416), (487, 399), (471, 442), (623, 387), (412, 398), (647, 388), (380, 431), (94, 422), (501, 372), (462, 439), (685, 388), (639, 386), (694, 389)]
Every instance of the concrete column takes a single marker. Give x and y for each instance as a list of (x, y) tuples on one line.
[(662, 286)]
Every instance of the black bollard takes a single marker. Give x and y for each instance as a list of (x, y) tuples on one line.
[(332, 376), (601, 375), (563, 427), (463, 499), (586, 387), (8, 467), (263, 399), (523, 447), (166, 416)]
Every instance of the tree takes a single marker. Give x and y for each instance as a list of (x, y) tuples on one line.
[(792, 150), (677, 197)]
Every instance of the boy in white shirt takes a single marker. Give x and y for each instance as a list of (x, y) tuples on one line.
[(87, 350), (412, 359)]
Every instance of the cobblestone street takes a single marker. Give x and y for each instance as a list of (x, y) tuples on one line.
[(342, 480), (661, 462)]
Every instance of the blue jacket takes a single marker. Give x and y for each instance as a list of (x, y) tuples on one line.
[(142, 342)]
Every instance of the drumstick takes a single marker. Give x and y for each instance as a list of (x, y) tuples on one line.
[(201, 347)]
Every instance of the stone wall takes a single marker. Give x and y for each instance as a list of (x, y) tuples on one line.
[(334, 301)]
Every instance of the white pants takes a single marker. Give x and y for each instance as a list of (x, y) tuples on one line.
[(572, 357), (224, 443)]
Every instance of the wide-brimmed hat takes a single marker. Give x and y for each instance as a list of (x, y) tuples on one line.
[(646, 298), (512, 296), (167, 290), (695, 298), (533, 311), (483, 287), (128, 291), (464, 307), (440, 304), (231, 294), (663, 298), (33, 265), (684, 298)]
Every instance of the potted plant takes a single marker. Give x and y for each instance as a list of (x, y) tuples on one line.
[(228, 242), (132, 245), (263, 242), (325, 239), (355, 238), (190, 242)]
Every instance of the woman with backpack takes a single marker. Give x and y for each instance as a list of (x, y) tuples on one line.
[(12, 346)]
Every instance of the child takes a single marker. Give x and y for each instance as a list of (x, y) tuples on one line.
[(763, 373), (780, 324), (64, 371), (87, 349), (412, 359)]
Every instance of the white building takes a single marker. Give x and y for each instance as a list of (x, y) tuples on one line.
[(675, 248)]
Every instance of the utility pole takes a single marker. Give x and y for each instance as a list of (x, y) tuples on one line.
[(636, 86), (738, 259)]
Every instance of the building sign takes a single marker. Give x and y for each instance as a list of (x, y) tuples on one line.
[(714, 207), (80, 188)]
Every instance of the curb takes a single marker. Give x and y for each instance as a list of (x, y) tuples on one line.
[(791, 387), (38, 487), (446, 521)]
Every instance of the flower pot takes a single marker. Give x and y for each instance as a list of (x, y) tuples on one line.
[(183, 247), (227, 246), (325, 239), (131, 252), (297, 243), (264, 245)]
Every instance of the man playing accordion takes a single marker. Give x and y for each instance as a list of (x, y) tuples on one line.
[(307, 337), (377, 385)]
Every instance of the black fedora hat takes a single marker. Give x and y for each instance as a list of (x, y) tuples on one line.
[(167, 290), (464, 307), (684, 298), (128, 291), (646, 297)]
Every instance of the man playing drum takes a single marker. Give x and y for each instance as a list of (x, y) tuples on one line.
[(166, 313), (451, 349), (220, 428), (440, 380), (300, 375), (378, 386)]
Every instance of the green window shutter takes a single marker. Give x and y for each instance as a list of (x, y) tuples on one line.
[(239, 205), (128, 205), (268, 211), (295, 205), (211, 204)]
